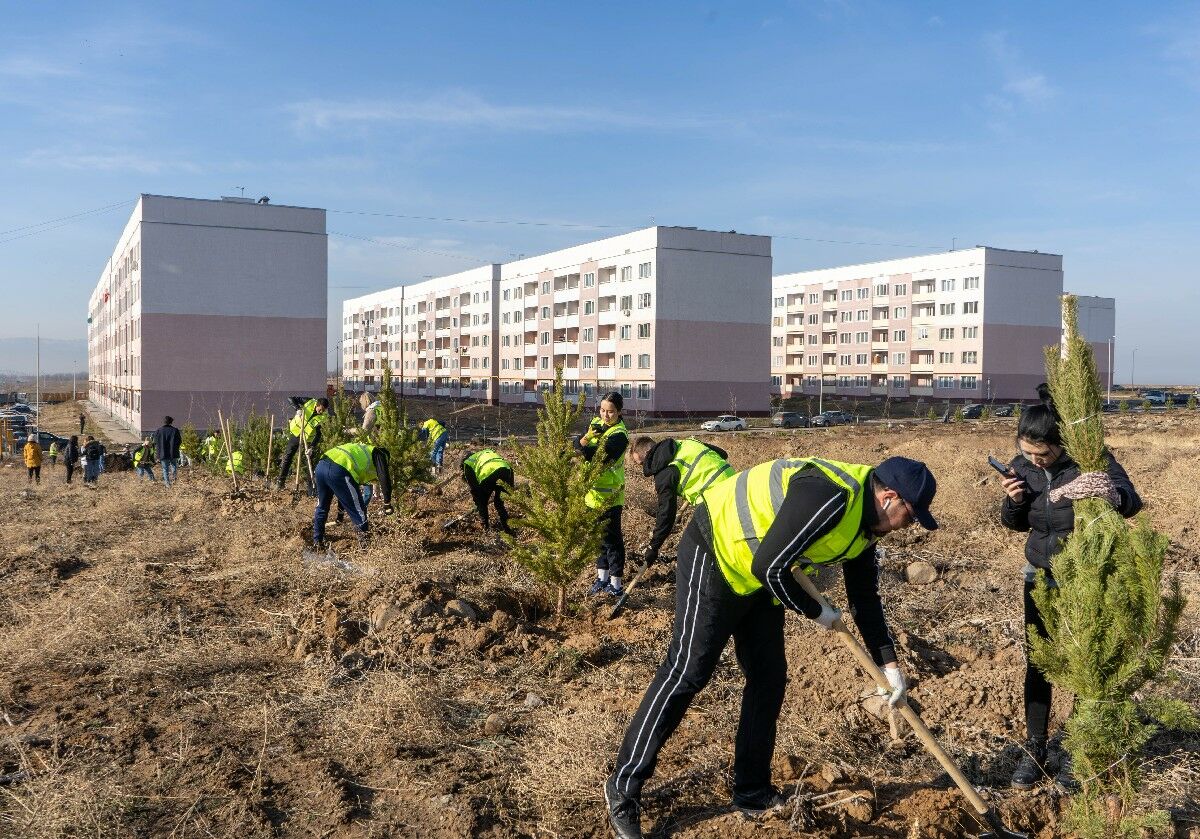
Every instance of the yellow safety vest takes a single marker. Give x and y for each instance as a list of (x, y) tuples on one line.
[(357, 459), (435, 428), (211, 449), (699, 468), (308, 421), (138, 455), (485, 463), (743, 509), (609, 489), (235, 465)]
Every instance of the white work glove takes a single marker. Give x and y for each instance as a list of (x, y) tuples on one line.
[(899, 689), (828, 616)]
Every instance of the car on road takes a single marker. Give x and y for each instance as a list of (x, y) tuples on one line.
[(826, 419), (1154, 397), (44, 439), (789, 419), (725, 422)]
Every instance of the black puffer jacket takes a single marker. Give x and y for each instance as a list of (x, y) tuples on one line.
[(1049, 524)]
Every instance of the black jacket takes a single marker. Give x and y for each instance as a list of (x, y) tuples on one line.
[(71, 453), (614, 448), (166, 443), (92, 451), (666, 481), (1049, 524)]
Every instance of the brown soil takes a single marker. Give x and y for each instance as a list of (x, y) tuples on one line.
[(169, 666)]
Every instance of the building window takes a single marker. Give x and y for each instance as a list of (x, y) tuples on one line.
[(899, 381), (900, 289), (546, 287), (844, 338), (847, 294), (627, 390), (862, 337), (778, 361), (545, 311), (899, 335), (970, 383), (947, 285), (946, 334), (922, 333), (813, 298), (626, 273), (589, 335), (970, 357), (814, 319), (945, 308), (545, 338), (589, 307), (643, 330), (844, 359), (900, 312), (777, 381), (971, 307), (643, 390), (626, 361), (777, 321), (545, 362), (644, 361), (589, 362), (777, 341), (860, 358), (862, 293), (945, 358), (970, 332), (813, 339), (626, 302), (589, 280), (970, 283), (778, 304), (644, 300), (881, 290), (900, 358), (626, 332), (643, 270)]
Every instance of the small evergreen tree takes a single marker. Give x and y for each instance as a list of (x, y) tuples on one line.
[(1191, 403), (1123, 406), (958, 414), (562, 533), (1110, 622), (932, 415), (189, 442), (1017, 412), (341, 417), (256, 437), (1146, 406), (409, 461)]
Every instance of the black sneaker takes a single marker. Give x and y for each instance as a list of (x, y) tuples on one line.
[(1030, 772), (1064, 778), (760, 802), (624, 813)]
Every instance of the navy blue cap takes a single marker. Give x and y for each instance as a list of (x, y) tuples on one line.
[(912, 481)]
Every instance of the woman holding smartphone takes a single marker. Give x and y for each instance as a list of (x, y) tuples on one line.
[(1041, 485)]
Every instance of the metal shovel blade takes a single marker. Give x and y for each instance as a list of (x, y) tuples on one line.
[(998, 830)]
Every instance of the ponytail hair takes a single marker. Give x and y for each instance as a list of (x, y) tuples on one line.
[(1040, 423)]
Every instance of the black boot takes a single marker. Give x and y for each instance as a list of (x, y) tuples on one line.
[(762, 801), (1064, 778), (1030, 772), (624, 813)]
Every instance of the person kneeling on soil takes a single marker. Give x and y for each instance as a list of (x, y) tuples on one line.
[(340, 474), (683, 469), (734, 576), (1041, 487), (489, 476)]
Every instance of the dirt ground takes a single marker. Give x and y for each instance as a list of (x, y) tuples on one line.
[(170, 667)]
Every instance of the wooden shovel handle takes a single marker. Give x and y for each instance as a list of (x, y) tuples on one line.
[(906, 711)]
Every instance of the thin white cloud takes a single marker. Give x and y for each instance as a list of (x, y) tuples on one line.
[(460, 109), (1021, 84), (30, 67), (1181, 46), (106, 161)]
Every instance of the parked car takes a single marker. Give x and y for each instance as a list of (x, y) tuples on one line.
[(972, 411), (725, 422), (1155, 397), (44, 439), (828, 418), (1004, 411), (22, 408), (789, 419), (1180, 399)]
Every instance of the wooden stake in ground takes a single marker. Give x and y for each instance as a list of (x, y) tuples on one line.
[(270, 440), (228, 448)]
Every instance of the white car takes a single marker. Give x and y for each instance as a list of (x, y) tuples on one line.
[(725, 422)]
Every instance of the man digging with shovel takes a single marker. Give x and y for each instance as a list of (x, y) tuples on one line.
[(341, 473), (734, 571)]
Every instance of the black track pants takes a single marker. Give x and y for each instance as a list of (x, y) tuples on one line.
[(707, 615)]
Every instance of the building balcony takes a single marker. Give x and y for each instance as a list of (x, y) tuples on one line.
[(921, 367), (566, 348), (879, 345), (608, 317), (606, 345), (879, 390), (566, 321), (828, 369), (920, 391), (879, 368)]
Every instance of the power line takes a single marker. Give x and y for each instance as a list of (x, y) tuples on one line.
[(486, 221), (56, 223), (406, 247)]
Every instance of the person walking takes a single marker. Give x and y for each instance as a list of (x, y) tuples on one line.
[(167, 442), (735, 579), (33, 460), (53, 452), (1042, 485), (683, 469), (489, 476), (607, 439), (437, 434), (370, 405), (340, 474), (304, 427), (82, 420), (143, 459), (71, 456), (91, 462)]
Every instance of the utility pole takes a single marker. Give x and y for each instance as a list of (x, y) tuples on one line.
[(37, 384), (1111, 339), (1132, 366)]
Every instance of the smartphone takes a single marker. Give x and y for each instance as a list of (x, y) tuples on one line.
[(1000, 466)]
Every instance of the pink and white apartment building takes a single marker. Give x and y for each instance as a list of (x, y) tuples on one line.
[(968, 325), (208, 304), (437, 336), (670, 317)]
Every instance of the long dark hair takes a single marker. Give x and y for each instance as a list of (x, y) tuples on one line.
[(615, 399), (1039, 423)]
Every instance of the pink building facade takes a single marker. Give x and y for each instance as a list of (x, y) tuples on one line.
[(963, 326), (208, 305)]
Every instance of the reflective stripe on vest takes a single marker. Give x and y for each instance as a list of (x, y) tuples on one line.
[(236, 464), (609, 489), (435, 428), (742, 511), (699, 468), (308, 421), (485, 463), (137, 456), (357, 459)]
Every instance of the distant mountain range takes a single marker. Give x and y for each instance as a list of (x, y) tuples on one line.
[(18, 356)]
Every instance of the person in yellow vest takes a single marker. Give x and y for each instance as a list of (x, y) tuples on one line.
[(489, 476), (235, 463), (143, 460), (435, 433), (210, 448), (607, 439), (33, 460), (304, 427), (340, 474), (683, 469), (734, 574)]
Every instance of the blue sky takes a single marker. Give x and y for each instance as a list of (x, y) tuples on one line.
[(859, 130)]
